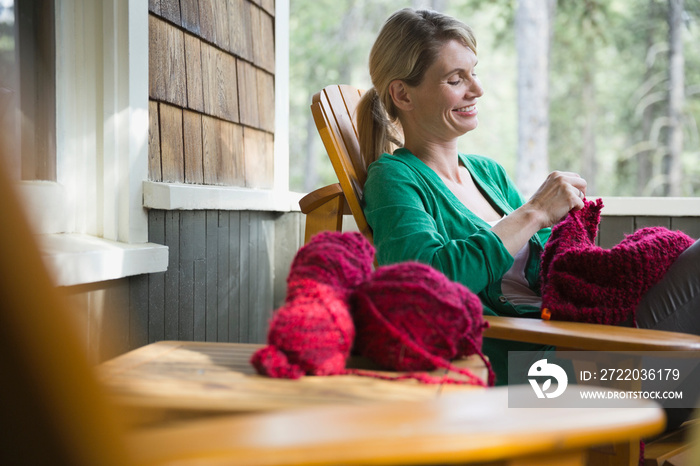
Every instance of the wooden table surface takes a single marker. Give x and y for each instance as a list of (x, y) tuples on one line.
[(345, 419), (190, 378), (455, 428)]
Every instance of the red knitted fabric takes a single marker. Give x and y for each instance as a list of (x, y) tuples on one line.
[(586, 283), (410, 317), (313, 332)]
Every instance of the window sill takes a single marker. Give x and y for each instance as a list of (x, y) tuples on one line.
[(76, 259), (177, 196)]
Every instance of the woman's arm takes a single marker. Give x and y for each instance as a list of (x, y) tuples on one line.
[(560, 193)]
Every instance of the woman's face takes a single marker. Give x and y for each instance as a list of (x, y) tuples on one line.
[(444, 104)]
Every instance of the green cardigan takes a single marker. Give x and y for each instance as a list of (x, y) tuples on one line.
[(414, 216)]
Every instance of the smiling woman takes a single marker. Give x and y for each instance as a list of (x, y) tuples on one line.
[(461, 213)]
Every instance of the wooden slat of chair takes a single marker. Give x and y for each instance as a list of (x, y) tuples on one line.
[(333, 110)]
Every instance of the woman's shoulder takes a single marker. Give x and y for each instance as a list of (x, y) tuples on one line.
[(396, 163)]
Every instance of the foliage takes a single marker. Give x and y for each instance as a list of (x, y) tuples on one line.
[(608, 84)]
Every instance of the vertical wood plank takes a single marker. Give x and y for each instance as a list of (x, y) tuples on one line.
[(212, 267), (154, 168), (688, 225), (170, 10), (190, 15), (244, 277), (269, 6), (248, 95), (219, 83), (156, 281), (259, 159), (266, 59), (237, 155), (234, 274), (266, 100), (649, 221), (172, 275), (154, 6), (224, 287), (255, 286), (207, 24), (613, 230), (138, 311), (200, 274), (109, 302), (231, 159), (186, 291), (210, 150), (267, 274), (172, 144), (221, 24), (256, 29), (239, 20), (166, 62), (193, 71), (194, 168)]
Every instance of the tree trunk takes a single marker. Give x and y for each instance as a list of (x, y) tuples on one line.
[(645, 168), (676, 98), (533, 33)]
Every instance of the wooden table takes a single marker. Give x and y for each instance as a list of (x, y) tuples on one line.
[(177, 378), (346, 419)]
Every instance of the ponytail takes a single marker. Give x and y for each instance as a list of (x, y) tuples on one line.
[(378, 133)]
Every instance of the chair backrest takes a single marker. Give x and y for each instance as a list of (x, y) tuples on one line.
[(334, 112)]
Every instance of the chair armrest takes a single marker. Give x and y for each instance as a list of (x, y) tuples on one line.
[(582, 336), (321, 196)]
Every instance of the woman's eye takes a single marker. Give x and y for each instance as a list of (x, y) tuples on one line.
[(454, 83)]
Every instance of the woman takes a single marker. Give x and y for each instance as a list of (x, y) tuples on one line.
[(426, 201)]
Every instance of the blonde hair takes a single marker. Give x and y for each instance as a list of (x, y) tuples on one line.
[(405, 48)]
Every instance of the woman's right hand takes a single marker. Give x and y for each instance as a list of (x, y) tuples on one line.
[(560, 193)]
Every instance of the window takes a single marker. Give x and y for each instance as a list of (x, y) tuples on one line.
[(76, 99)]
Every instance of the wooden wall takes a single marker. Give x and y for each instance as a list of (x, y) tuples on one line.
[(226, 274), (211, 92), (614, 228)]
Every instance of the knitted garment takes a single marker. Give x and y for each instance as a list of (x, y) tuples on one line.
[(586, 283), (313, 332), (411, 317)]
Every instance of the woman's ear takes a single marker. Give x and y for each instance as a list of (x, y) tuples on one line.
[(400, 95)]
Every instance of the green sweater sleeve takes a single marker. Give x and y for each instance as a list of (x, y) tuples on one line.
[(414, 217)]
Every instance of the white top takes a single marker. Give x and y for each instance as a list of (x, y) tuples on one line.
[(514, 285)]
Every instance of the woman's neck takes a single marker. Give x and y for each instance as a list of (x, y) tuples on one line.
[(442, 158)]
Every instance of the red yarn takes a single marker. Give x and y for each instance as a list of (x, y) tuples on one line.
[(411, 317), (312, 333), (586, 283)]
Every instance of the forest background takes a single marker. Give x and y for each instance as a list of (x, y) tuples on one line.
[(606, 88)]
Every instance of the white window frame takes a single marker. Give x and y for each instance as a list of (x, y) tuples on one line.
[(91, 221)]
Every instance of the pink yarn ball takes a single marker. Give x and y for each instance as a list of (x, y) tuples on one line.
[(313, 332), (411, 317)]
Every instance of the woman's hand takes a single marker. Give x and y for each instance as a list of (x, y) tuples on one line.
[(560, 193)]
